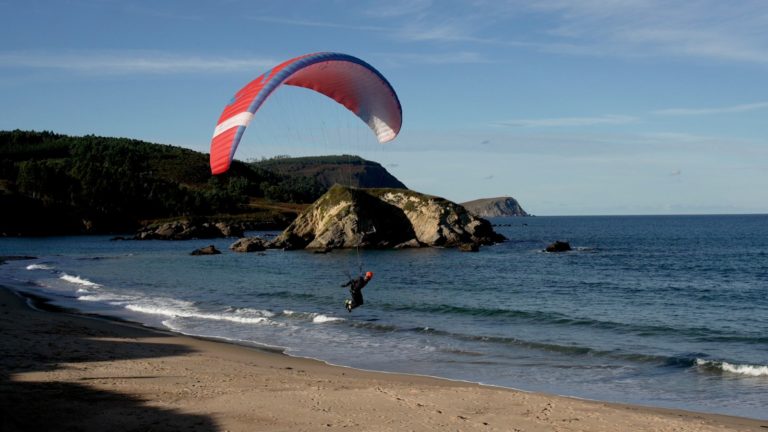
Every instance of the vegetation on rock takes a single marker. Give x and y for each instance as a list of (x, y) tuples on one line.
[(384, 218), (59, 184), (325, 171), (493, 207)]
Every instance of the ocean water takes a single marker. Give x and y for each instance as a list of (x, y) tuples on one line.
[(667, 311)]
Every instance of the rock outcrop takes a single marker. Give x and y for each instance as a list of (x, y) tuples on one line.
[(558, 246), (384, 218), (493, 207), (185, 230), (207, 250), (249, 244)]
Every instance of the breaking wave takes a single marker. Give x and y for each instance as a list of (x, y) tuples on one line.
[(316, 318), (740, 369), (183, 309), (39, 267), (320, 318), (78, 280)]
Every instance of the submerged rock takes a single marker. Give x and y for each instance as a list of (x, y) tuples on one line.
[(469, 247), (208, 250), (410, 244), (559, 246), (384, 218)]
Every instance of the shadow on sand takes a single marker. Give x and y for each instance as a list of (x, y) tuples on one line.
[(32, 342)]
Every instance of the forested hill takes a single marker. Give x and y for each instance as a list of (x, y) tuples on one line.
[(57, 184), (345, 170)]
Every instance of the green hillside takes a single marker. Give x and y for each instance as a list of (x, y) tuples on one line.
[(345, 170), (52, 183), (58, 184)]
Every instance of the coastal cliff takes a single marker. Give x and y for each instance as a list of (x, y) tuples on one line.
[(384, 218), (493, 207), (346, 170)]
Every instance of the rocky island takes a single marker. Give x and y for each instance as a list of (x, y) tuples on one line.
[(494, 207), (384, 218)]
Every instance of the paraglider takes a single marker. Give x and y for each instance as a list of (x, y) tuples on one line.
[(348, 80), (356, 286)]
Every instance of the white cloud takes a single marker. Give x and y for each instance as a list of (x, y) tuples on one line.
[(570, 121), (459, 57), (412, 23), (706, 29), (697, 28), (399, 8), (717, 110), (130, 62), (571, 144), (325, 24)]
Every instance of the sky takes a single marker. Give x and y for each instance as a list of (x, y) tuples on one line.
[(573, 107)]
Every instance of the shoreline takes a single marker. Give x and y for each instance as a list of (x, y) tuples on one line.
[(68, 370)]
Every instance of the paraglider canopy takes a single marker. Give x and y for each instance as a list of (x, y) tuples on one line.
[(343, 78)]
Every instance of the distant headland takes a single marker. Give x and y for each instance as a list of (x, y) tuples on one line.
[(494, 207)]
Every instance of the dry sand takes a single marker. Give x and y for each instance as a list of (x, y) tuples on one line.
[(61, 371)]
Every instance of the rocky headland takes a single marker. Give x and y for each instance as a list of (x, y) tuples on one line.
[(494, 207), (345, 217), (384, 218), (186, 230), (346, 170)]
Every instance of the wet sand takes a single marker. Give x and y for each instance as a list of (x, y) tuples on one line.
[(63, 371)]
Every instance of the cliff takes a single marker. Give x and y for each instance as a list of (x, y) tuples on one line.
[(346, 170), (384, 218), (493, 207)]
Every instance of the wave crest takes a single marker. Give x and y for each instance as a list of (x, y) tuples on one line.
[(154, 310), (39, 267), (78, 280), (740, 369), (320, 318)]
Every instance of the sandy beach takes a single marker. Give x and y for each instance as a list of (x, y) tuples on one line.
[(63, 371)]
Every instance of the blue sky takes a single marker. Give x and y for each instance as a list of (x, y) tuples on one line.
[(572, 107)]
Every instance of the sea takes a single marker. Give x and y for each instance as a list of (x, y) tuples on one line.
[(664, 311)]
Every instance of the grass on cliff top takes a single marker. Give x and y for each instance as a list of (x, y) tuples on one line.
[(339, 193)]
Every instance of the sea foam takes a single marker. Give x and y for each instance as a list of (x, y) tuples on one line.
[(319, 319), (316, 318), (78, 280), (111, 298), (178, 309), (745, 369), (39, 267)]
